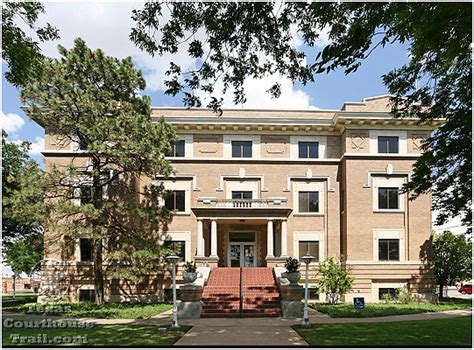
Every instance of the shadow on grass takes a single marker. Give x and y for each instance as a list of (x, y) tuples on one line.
[(103, 335)]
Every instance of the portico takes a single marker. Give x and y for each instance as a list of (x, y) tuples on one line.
[(243, 236)]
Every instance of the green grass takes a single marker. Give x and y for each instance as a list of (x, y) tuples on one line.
[(442, 332), (382, 309), (20, 299), (110, 310), (100, 335)]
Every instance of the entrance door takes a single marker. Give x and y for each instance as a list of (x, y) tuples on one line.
[(241, 254)]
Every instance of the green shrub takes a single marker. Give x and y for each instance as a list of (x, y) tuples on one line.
[(292, 265)]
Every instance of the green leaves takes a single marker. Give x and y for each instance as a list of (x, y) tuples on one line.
[(244, 40), (92, 101), (334, 279)]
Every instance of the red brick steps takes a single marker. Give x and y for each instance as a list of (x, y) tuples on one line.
[(222, 294)]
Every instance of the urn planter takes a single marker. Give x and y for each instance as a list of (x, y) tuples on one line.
[(293, 277), (189, 277)]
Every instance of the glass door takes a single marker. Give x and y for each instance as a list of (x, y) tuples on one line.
[(242, 255), (249, 255), (234, 255)]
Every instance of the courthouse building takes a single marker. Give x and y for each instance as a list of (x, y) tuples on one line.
[(253, 187)]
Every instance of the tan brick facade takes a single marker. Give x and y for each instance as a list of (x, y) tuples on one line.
[(346, 175)]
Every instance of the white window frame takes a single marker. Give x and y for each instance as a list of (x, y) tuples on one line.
[(179, 185), (242, 185), (178, 236), (312, 236), (392, 233), (188, 146), (388, 181), (255, 139), (322, 146), (402, 141), (377, 285), (308, 186)]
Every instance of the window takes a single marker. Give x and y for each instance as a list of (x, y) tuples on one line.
[(85, 246), (308, 202), (241, 149), (311, 247), (177, 149), (178, 247), (389, 249), (241, 194), (383, 291), (388, 198), (388, 144), (175, 201), (86, 296), (308, 149)]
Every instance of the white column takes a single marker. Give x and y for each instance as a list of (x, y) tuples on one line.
[(200, 239), (213, 239), (284, 238), (269, 239)]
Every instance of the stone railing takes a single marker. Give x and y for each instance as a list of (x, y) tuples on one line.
[(243, 203)]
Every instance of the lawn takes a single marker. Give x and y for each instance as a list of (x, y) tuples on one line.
[(20, 299), (110, 310), (99, 335), (382, 309), (442, 332)]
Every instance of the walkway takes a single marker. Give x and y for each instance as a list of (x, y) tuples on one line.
[(250, 331)]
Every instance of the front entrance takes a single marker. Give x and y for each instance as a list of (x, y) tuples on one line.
[(241, 249)]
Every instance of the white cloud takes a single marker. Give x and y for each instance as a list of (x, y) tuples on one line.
[(37, 146), (108, 25), (454, 225), (11, 122)]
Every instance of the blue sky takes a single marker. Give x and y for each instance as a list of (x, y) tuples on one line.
[(107, 26)]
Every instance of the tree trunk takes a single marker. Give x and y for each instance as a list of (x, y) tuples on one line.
[(441, 291), (97, 242), (98, 272), (14, 286)]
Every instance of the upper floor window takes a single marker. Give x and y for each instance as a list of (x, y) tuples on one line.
[(308, 149), (389, 249), (177, 149), (308, 202), (311, 247), (241, 194), (241, 149), (176, 201), (388, 144), (85, 247), (388, 198)]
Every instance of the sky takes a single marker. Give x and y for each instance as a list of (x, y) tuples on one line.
[(107, 26)]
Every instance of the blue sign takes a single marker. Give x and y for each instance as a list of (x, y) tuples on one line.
[(359, 303)]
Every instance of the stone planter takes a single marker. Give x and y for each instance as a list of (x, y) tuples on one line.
[(189, 277), (293, 277)]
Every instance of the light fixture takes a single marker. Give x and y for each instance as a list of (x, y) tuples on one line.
[(307, 258), (173, 259)]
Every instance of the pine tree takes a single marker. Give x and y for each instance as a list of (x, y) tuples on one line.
[(93, 102)]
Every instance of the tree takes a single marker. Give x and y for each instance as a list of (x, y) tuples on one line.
[(452, 259), (94, 103), (24, 255), (20, 51), (334, 279), (23, 208), (233, 41)]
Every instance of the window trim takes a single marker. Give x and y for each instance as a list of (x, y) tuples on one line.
[(402, 141), (390, 181), (309, 236), (188, 146), (173, 194), (178, 185), (227, 142), (177, 236), (322, 146), (389, 233), (309, 186), (308, 242)]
